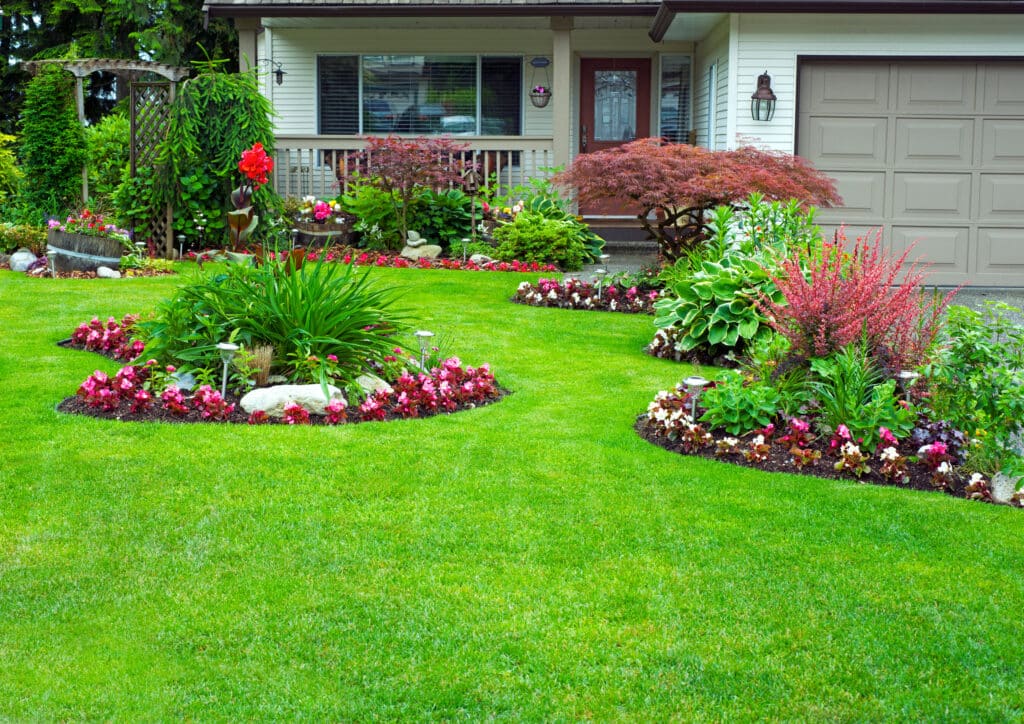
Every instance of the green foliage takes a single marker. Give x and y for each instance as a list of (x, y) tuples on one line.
[(768, 358), (135, 198), (215, 117), (376, 220), (851, 390), (107, 143), (714, 309), (442, 217), (52, 148), (10, 175), (535, 237), (977, 382), (759, 223), (319, 309), (738, 406), (15, 236), (541, 196)]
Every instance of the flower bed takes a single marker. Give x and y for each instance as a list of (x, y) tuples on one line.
[(347, 255), (577, 294), (149, 392), (924, 460)]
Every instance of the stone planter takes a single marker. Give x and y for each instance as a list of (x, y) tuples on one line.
[(80, 252), (316, 234)]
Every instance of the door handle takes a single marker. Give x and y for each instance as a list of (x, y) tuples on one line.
[(583, 139)]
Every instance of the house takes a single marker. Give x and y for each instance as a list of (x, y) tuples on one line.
[(916, 107)]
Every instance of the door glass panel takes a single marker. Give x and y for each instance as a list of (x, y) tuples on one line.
[(615, 105)]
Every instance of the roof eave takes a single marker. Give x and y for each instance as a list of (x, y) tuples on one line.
[(432, 10)]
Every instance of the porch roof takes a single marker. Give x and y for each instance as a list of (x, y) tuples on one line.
[(436, 8)]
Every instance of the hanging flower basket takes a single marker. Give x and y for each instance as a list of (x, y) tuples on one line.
[(540, 97)]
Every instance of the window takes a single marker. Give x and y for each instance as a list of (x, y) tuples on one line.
[(675, 98), (420, 94)]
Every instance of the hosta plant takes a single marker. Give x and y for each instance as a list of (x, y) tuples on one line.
[(716, 307), (738, 406)]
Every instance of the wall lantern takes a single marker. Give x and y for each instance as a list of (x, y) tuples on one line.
[(762, 103), (279, 73)]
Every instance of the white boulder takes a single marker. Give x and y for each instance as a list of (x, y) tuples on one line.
[(429, 251), (21, 260), (273, 400), (105, 272)]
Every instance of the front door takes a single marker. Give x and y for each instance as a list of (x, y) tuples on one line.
[(615, 107)]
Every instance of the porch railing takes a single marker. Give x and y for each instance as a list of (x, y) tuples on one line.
[(316, 165)]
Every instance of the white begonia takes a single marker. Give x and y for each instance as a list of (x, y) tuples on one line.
[(661, 414), (731, 441), (523, 286), (944, 468), (552, 295), (612, 305), (758, 440), (575, 298), (849, 448), (977, 478), (890, 453)]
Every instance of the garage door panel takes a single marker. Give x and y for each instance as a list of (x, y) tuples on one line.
[(926, 142), (946, 248), (1002, 197), (1002, 143), (930, 88), (847, 142), (928, 194), (839, 88), (1000, 251), (1004, 89), (862, 192)]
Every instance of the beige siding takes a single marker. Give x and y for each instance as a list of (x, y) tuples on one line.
[(773, 42), (712, 50)]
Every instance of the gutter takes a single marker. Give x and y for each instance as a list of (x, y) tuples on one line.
[(447, 10), (669, 8)]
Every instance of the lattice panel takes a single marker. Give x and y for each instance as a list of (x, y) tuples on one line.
[(150, 110)]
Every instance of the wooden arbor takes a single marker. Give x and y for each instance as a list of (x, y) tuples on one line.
[(150, 105)]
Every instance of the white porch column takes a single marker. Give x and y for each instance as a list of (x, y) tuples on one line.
[(561, 88), (246, 28)]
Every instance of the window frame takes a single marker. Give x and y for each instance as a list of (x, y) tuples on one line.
[(478, 69)]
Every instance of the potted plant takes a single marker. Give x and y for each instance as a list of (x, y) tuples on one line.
[(86, 242), (322, 221), (540, 95)]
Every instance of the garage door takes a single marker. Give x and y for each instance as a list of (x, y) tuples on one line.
[(930, 151)]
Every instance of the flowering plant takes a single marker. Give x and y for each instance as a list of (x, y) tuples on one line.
[(540, 89), (90, 224), (321, 211), (255, 166)]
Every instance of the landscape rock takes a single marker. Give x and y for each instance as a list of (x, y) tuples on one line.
[(272, 400), (105, 272), (414, 239), (22, 259), (1003, 487), (481, 259), (427, 251), (371, 383)]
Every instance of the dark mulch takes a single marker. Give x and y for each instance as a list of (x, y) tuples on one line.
[(780, 461), (127, 274), (696, 357), (77, 406)]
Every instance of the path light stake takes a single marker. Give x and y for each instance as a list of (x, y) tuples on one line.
[(295, 238), (600, 278), (465, 244), (51, 258), (694, 385), (423, 337), (227, 353), (907, 380), (181, 246), (140, 249)]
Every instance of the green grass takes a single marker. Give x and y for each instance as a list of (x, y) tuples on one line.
[(532, 559)]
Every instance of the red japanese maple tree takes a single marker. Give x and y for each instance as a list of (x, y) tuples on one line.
[(404, 166), (672, 186)]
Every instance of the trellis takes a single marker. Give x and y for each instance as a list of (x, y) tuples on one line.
[(150, 108)]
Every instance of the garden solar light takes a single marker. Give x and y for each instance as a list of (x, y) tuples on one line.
[(295, 237), (694, 385), (227, 353), (907, 380), (423, 337), (181, 245), (140, 249), (51, 257), (465, 245), (600, 278)]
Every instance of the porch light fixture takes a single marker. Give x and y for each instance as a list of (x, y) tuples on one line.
[(762, 103), (279, 73), (423, 337), (695, 384), (227, 353)]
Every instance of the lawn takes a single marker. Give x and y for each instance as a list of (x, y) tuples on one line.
[(532, 559)]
